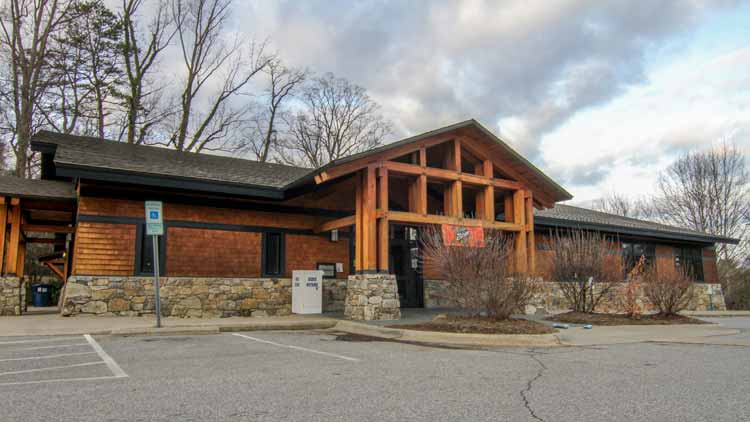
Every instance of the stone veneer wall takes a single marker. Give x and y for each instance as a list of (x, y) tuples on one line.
[(550, 298), (372, 297), (12, 295), (189, 296)]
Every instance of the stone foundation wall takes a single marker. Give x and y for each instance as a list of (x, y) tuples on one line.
[(12, 295), (372, 297), (189, 296), (550, 298)]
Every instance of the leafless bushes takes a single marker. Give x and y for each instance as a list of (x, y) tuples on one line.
[(479, 278), (669, 291), (586, 267)]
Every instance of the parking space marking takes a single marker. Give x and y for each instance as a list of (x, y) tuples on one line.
[(60, 355), (55, 380), (304, 349), (111, 364), (51, 347), (51, 368), (39, 340)]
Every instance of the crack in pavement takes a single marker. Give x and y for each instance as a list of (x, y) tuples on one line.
[(542, 367)]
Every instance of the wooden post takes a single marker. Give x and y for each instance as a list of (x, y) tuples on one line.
[(488, 194), (358, 223), (11, 257), (3, 230), (509, 208), (21, 260), (456, 155), (369, 215), (519, 217), (530, 244), (383, 250)]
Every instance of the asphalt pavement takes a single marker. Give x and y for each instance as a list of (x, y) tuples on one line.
[(329, 376)]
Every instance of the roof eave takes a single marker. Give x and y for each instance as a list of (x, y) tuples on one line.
[(559, 222)]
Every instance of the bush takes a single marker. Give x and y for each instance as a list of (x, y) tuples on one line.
[(479, 278), (670, 292), (585, 267)]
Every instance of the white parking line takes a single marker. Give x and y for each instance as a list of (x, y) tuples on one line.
[(50, 347), (2, 384), (51, 368), (111, 364), (60, 355), (304, 349), (41, 340)]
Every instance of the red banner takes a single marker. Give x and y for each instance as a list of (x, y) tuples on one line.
[(463, 236)]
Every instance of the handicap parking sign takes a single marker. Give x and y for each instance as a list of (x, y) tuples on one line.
[(154, 223)]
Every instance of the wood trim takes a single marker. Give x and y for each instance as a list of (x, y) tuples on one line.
[(519, 217), (336, 224), (41, 228), (450, 175), (11, 256), (4, 226), (370, 224), (358, 262), (409, 217), (530, 242)]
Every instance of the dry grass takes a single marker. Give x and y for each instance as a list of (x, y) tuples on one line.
[(622, 319), (478, 325)]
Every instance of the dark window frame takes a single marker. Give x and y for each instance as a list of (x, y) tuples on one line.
[(630, 257), (140, 238), (692, 260), (282, 254), (317, 267)]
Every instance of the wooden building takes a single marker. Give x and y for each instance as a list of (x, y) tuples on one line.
[(229, 218)]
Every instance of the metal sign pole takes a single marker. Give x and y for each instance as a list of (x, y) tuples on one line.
[(156, 280)]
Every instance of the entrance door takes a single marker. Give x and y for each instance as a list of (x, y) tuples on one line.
[(406, 265)]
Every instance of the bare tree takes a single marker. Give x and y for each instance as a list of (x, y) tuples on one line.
[(210, 59), (140, 50), (615, 203), (338, 119), (264, 128), (708, 191), (27, 27)]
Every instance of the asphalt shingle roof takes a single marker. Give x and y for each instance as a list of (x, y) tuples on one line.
[(570, 216), (87, 152), (34, 188)]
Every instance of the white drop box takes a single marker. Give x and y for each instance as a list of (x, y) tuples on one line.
[(307, 292)]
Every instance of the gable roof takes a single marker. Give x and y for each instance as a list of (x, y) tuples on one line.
[(36, 189), (532, 174), (111, 160), (568, 216)]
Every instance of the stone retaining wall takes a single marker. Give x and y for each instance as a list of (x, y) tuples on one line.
[(189, 296), (12, 295), (708, 297), (372, 297)]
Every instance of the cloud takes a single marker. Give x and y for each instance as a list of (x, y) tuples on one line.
[(523, 68)]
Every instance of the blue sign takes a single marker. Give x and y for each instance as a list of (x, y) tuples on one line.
[(154, 223)]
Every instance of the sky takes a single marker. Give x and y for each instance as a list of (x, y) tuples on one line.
[(600, 95)]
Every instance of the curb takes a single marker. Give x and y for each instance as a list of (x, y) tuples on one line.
[(450, 339), (229, 328)]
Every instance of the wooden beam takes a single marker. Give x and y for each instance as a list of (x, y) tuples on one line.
[(54, 269), (382, 241), (519, 217), (451, 175), (530, 243), (408, 217), (11, 256), (328, 225), (3, 231), (369, 224), (42, 228), (45, 240), (358, 262)]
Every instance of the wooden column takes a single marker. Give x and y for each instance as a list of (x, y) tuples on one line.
[(519, 217), (369, 219), (530, 243), (3, 230), (487, 195), (383, 249), (358, 228), (14, 238), (509, 208)]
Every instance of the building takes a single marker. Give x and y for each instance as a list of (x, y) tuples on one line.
[(235, 229)]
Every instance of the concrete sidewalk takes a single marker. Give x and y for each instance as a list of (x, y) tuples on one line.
[(50, 325)]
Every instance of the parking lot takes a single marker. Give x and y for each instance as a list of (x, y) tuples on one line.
[(330, 376)]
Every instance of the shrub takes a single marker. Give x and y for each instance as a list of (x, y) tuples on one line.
[(585, 267), (629, 297), (479, 279), (670, 291)]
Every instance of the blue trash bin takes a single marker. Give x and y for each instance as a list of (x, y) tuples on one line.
[(41, 294)]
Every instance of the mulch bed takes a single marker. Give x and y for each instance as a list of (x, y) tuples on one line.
[(473, 325), (621, 319)]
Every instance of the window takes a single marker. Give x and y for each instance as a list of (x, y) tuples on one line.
[(632, 253), (144, 262), (690, 260), (273, 254)]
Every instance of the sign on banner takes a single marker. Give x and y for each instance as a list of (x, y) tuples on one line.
[(463, 236)]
